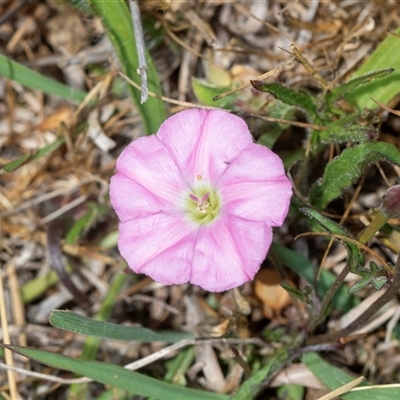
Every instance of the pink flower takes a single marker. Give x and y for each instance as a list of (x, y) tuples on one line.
[(198, 200)]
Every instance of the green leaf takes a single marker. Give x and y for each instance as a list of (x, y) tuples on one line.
[(352, 84), (116, 376), (355, 256), (347, 129), (107, 330), (333, 377), (249, 388), (36, 81), (13, 165), (92, 343), (297, 293), (291, 392), (205, 92), (385, 56), (346, 168), (35, 287), (301, 99), (374, 276), (117, 21)]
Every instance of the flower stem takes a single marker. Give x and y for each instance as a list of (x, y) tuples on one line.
[(377, 222), (328, 297)]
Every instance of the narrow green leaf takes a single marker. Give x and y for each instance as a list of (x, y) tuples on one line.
[(117, 21), (333, 377), (107, 330), (13, 165), (355, 256), (385, 56), (295, 293), (116, 376), (35, 287), (249, 388), (356, 82), (92, 343), (346, 168), (36, 81), (301, 99)]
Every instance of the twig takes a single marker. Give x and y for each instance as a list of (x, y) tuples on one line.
[(192, 105), (6, 335), (328, 297), (140, 48)]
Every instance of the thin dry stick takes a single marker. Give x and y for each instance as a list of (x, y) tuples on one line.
[(16, 300), (259, 78), (58, 192), (353, 241), (6, 338), (310, 69), (343, 389), (192, 105), (140, 48)]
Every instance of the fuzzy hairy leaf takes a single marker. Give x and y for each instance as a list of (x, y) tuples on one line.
[(356, 82), (301, 99), (346, 168)]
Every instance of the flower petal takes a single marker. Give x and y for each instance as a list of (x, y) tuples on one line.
[(160, 246), (131, 200), (197, 141), (255, 187), (229, 253), (147, 162)]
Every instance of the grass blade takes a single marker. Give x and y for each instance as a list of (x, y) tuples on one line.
[(385, 89), (117, 376), (36, 81), (117, 21), (107, 330)]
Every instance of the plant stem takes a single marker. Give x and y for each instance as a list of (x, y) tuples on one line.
[(377, 222), (328, 297), (366, 316)]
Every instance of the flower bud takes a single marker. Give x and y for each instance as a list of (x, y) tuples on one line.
[(390, 205)]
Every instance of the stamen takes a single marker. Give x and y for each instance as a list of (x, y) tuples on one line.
[(194, 198)]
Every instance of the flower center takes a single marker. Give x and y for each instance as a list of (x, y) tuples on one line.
[(203, 205)]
